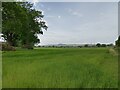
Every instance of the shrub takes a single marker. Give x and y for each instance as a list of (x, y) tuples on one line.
[(6, 47), (98, 45), (103, 45), (86, 45), (27, 46)]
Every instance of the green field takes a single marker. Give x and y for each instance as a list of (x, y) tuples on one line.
[(60, 68)]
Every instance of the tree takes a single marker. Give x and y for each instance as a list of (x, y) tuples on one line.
[(10, 22), (21, 24), (118, 42), (103, 45), (98, 45), (33, 26), (86, 45)]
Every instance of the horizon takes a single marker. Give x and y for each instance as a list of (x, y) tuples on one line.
[(73, 44)]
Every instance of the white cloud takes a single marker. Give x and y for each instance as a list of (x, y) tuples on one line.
[(41, 5), (102, 14), (48, 9), (52, 16), (75, 0), (33, 1), (99, 30), (69, 10), (49, 16), (76, 13), (95, 26), (59, 17)]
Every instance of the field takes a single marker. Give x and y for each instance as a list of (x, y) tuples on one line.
[(60, 68)]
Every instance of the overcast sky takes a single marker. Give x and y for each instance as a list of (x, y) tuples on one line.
[(79, 22)]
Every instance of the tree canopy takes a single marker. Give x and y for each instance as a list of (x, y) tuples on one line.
[(21, 23), (118, 42)]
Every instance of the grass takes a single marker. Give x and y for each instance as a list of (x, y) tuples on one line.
[(60, 68)]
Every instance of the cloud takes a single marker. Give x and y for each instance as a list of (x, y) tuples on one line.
[(79, 24), (42, 5), (33, 1), (75, 12), (59, 17), (76, 0), (48, 9), (53, 16), (93, 31), (49, 16), (70, 10)]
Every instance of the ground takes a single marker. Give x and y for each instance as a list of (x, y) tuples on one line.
[(60, 67)]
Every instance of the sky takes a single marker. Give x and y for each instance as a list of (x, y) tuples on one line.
[(70, 0), (79, 22)]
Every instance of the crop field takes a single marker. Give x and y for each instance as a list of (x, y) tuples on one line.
[(60, 68)]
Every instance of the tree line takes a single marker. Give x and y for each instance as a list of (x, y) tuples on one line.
[(117, 42), (77, 46), (21, 23)]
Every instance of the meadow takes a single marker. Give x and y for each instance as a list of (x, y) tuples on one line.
[(60, 68)]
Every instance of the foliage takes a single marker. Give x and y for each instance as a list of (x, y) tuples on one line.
[(6, 47), (98, 44), (103, 45), (118, 42), (86, 45), (21, 24)]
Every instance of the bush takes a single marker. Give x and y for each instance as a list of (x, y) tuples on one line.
[(6, 47), (103, 45), (27, 46), (98, 45), (86, 45)]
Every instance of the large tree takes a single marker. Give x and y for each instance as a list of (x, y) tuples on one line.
[(10, 22), (118, 42), (21, 23)]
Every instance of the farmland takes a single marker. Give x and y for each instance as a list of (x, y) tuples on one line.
[(60, 68)]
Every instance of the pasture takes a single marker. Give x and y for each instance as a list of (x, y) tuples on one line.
[(60, 68)]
